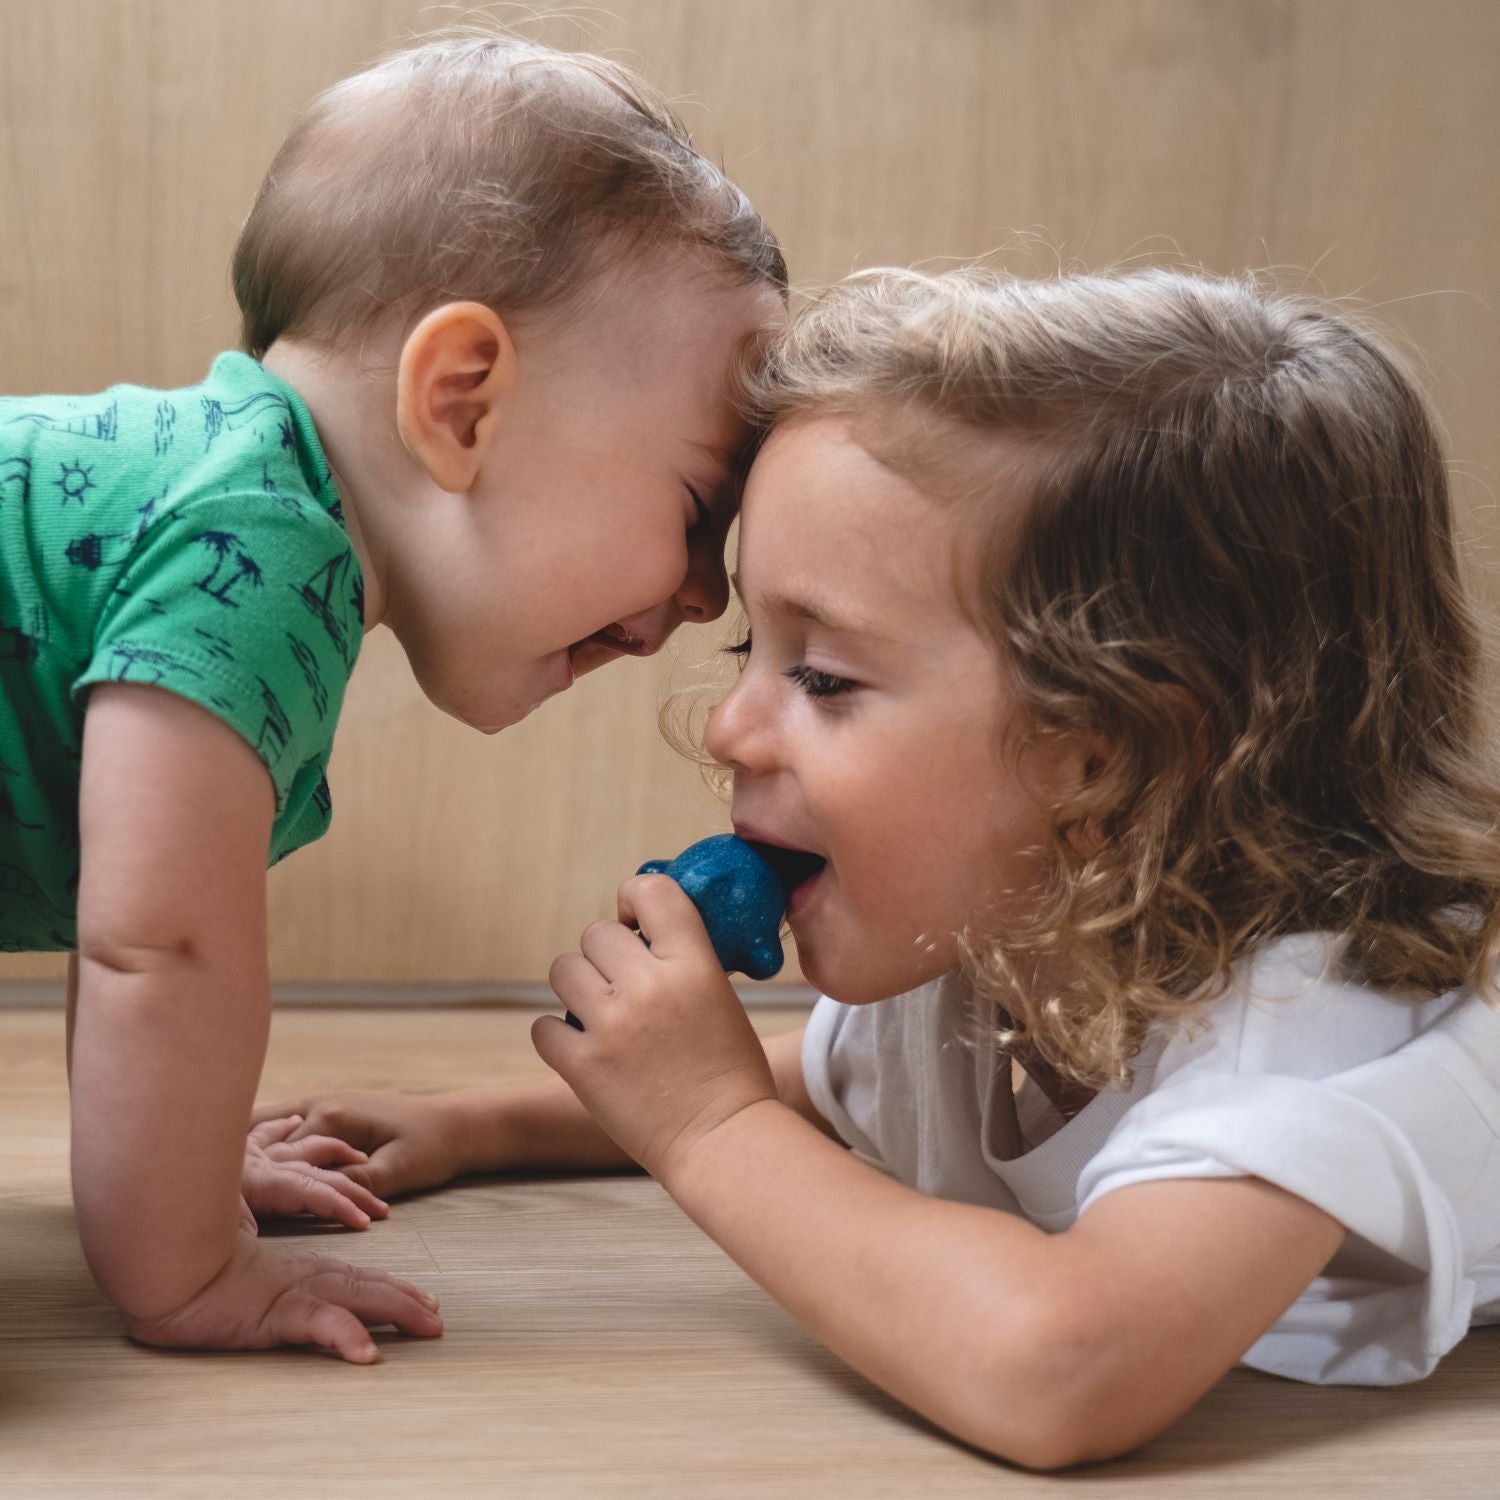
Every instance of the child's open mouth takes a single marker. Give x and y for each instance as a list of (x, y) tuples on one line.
[(796, 869)]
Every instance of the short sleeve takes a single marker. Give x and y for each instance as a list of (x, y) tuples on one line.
[(248, 605), (1346, 1144), (829, 1071)]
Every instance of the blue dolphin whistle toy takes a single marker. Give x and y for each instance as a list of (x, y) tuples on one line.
[(740, 898)]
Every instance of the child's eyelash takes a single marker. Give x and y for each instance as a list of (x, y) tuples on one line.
[(818, 684), (814, 683)]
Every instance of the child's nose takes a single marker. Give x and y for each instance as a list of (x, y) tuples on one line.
[(734, 734)]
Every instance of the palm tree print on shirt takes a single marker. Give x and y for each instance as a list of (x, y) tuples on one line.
[(233, 567)]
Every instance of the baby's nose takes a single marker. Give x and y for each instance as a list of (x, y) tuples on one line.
[(704, 593)]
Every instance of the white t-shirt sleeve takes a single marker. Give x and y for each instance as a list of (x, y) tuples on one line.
[(1403, 1150), (839, 1059)]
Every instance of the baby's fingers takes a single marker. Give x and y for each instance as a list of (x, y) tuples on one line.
[(337, 1314), (268, 1133), (283, 1189), (326, 1201), (262, 1113), (301, 1319), (356, 1192)]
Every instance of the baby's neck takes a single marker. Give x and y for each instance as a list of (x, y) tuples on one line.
[(354, 410)]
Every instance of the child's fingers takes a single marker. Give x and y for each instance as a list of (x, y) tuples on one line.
[(554, 1040), (343, 1119), (610, 949), (248, 1221), (577, 983), (397, 1167), (317, 1151), (665, 915)]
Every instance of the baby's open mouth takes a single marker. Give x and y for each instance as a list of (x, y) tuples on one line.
[(614, 638)]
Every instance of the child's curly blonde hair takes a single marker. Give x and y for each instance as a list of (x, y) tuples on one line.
[(1236, 572)]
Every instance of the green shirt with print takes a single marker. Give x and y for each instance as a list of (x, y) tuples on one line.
[(188, 539)]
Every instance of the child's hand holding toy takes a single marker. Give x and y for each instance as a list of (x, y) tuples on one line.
[(662, 1052)]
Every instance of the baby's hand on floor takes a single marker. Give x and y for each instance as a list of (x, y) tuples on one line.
[(287, 1171), (271, 1295), (413, 1141)]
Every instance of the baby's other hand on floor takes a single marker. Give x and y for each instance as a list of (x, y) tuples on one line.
[(413, 1141), (283, 1176), (267, 1296)]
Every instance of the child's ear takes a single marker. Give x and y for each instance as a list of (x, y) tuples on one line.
[(456, 365)]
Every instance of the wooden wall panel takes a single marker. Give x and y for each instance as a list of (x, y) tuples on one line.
[(1353, 139)]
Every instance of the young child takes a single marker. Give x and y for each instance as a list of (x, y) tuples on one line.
[(1112, 680), (495, 308)]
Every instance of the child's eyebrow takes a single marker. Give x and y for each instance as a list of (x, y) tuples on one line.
[(816, 609)]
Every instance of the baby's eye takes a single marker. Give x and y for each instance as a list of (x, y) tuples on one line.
[(739, 648), (818, 684)]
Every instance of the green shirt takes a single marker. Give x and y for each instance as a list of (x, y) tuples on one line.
[(189, 539)]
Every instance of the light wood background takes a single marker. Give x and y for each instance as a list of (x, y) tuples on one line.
[(1354, 139)]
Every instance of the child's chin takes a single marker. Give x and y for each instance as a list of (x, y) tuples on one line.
[(851, 984)]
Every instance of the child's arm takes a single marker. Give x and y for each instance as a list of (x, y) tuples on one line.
[(173, 1012), (417, 1141), (1047, 1350)]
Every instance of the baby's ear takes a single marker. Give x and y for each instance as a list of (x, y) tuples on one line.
[(456, 366)]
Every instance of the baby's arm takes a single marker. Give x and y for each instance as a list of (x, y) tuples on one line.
[(173, 1012), (417, 1141)]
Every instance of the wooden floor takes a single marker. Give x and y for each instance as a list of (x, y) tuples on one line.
[(597, 1345)]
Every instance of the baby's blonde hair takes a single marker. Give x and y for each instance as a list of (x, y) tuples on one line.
[(484, 168), (1236, 571)]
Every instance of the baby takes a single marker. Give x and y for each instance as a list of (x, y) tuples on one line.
[(495, 310), (1113, 689)]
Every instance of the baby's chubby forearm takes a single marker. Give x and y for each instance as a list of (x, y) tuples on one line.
[(166, 1053)]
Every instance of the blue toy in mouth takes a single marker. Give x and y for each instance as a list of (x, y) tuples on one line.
[(740, 897)]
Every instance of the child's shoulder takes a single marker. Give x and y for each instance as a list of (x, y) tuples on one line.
[(1291, 1010)]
